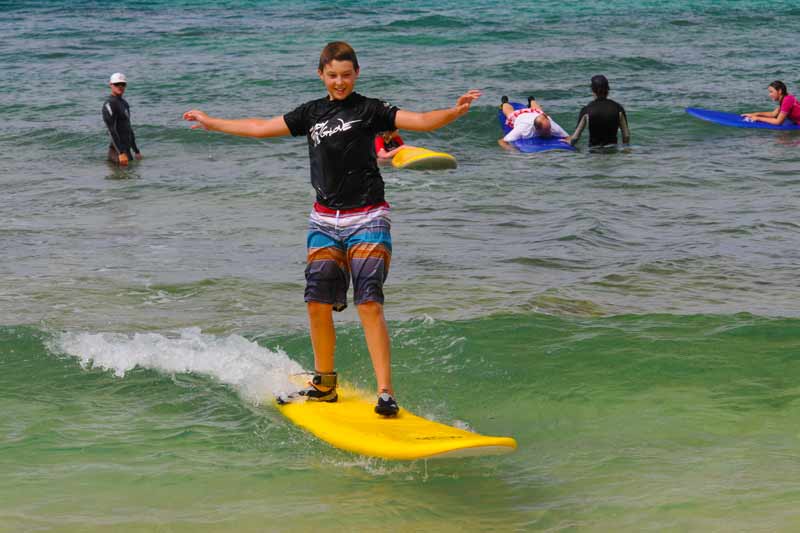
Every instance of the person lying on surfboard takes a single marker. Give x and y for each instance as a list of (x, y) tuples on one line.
[(388, 143), (788, 107), (349, 226), (528, 122)]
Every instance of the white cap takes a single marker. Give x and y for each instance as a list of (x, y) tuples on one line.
[(118, 77)]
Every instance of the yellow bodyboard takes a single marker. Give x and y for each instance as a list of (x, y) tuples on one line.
[(352, 425), (423, 159)]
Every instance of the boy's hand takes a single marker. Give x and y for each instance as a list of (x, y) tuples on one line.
[(465, 100), (196, 116)]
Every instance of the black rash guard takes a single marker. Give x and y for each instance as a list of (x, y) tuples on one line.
[(341, 147), (117, 116), (604, 117)]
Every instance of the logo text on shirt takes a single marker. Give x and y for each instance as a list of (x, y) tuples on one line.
[(321, 130)]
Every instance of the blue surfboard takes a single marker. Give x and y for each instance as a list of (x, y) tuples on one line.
[(534, 144), (737, 121)]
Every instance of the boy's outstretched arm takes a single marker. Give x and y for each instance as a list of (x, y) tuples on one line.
[(245, 127), (409, 120)]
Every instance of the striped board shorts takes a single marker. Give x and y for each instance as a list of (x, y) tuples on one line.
[(348, 243)]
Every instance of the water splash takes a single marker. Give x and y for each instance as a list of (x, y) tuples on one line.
[(257, 373)]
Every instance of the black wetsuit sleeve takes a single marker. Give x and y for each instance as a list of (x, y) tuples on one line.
[(623, 126), (297, 120), (583, 121), (133, 142), (382, 116), (111, 114)]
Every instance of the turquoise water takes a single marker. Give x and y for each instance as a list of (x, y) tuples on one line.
[(631, 317)]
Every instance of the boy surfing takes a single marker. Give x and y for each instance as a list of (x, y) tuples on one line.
[(349, 225)]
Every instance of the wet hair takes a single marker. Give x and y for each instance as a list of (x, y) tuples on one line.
[(540, 122), (600, 86), (779, 86), (339, 51)]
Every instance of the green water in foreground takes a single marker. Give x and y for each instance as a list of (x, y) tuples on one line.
[(631, 423)]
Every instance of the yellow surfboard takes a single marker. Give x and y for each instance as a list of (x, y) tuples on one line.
[(352, 425), (414, 158)]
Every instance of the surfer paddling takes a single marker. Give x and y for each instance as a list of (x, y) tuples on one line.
[(788, 107), (527, 123), (388, 144), (349, 226)]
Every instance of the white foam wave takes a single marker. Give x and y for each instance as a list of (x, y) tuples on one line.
[(257, 373)]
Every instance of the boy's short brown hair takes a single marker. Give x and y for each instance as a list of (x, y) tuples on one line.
[(340, 51)]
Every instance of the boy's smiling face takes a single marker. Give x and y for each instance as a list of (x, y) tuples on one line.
[(339, 78)]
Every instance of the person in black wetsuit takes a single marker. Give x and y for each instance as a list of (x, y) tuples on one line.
[(349, 225), (603, 116), (117, 116)]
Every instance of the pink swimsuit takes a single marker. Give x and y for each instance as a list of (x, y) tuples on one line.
[(791, 107)]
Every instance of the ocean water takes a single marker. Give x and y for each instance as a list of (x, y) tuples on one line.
[(630, 317)]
